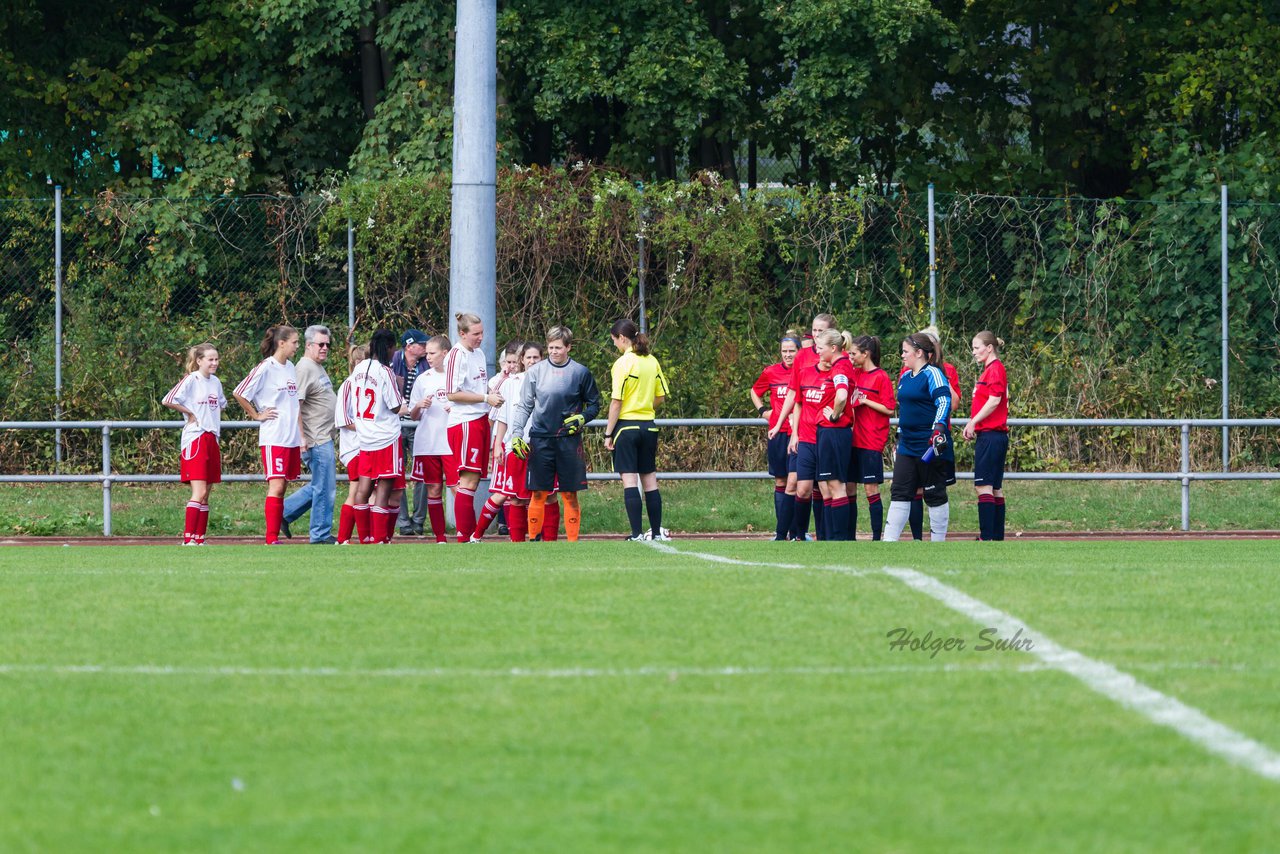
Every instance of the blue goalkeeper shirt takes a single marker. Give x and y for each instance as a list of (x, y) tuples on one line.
[(923, 401)]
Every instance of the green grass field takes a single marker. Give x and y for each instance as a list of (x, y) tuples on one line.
[(610, 696), (690, 506)]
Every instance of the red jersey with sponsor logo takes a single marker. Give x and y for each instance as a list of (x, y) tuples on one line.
[(992, 383), (817, 391), (771, 387), (871, 428)]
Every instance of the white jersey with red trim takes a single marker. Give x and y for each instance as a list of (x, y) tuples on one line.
[(376, 398), (344, 416), (497, 384), (203, 396), (273, 384), (431, 439), (466, 370), (506, 412)]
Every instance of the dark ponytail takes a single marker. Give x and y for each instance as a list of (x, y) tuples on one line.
[(382, 345), (274, 337), (627, 329), (870, 345)]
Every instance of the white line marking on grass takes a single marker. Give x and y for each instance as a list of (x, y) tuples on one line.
[(714, 558), (501, 673), (1106, 679)]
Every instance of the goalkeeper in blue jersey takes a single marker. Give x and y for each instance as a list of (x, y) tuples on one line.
[(558, 398), (924, 440)]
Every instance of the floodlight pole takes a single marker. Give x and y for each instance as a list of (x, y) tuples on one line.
[(57, 323), (1226, 373), (473, 229), (351, 281), (641, 259)]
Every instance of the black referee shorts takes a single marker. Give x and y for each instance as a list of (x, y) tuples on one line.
[(635, 447), (556, 462)]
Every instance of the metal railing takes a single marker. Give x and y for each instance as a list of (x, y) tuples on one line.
[(1184, 474)]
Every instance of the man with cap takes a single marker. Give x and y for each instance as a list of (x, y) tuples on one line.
[(406, 364)]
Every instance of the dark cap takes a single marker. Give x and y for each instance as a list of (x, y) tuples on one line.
[(413, 336)]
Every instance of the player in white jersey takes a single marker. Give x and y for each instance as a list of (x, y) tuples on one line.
[(199, 396), (433, 463), (467, 386), (344, 418), (379, 405), (269, 395), (509, 489)]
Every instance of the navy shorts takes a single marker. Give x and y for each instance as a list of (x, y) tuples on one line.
[(866, 466), (777, 455), (807, 461), (556, 460), (988, 458), (835, 447), (635, 447)]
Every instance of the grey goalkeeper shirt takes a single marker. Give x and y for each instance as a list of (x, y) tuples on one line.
[(550, 394)]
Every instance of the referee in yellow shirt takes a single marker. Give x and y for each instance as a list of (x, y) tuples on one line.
[(639, 386)]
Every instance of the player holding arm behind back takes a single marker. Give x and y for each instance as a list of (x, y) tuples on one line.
[(467, 387), (344, 418), (639, 387), (924, 440), (559, 396), (768, 394), (790, 415), (989, 425), (269, 395), (505, 494), (199, 397)]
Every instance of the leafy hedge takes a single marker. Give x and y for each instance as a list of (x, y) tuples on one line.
[(1110, 308)]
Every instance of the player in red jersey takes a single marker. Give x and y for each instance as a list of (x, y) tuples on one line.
[(510, 489), (989, 426), (344, 419), (873, 405), (199, 396), (823, 437), (379, 405), (806, 357), (953, 379), (467, 387), (768, 395), (269, 395)]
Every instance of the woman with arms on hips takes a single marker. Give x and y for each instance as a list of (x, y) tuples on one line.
[(989, 426), (199, 396), (269, 395)]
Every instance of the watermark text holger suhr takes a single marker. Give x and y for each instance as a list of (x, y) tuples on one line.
[(903, 639)]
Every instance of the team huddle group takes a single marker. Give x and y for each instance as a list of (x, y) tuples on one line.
[(528, 421), (829, 404)]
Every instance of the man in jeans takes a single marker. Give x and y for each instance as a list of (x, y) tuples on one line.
[(316, 402)]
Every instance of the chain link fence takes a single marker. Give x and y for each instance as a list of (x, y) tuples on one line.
[(1109, 308)]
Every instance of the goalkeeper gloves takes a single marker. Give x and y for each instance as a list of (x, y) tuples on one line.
[(938, 440), (574, 423), (520, 448)]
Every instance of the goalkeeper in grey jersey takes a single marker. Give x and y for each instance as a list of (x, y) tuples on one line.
[(558, 398)]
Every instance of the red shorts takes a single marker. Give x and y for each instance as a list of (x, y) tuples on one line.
[(201, 460), (469, 442), (280, 462), (384, 464), (353, 468), (509, 478), (435, 468)]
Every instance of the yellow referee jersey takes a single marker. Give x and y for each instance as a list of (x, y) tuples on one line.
[(637, 380)]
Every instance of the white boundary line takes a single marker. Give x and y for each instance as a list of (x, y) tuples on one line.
[(1105, 679), (674, 672)]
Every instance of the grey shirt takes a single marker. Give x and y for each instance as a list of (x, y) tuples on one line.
[(550, 394), (316, 402)]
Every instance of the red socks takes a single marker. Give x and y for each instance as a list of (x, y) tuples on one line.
[(487, 514), (464, 513), (192, 522), (517, 522), (551, 522), (364, 525), (274, 510), (435, 509), (346, 522)]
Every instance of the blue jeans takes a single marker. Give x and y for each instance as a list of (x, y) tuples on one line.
[(316, 495)]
